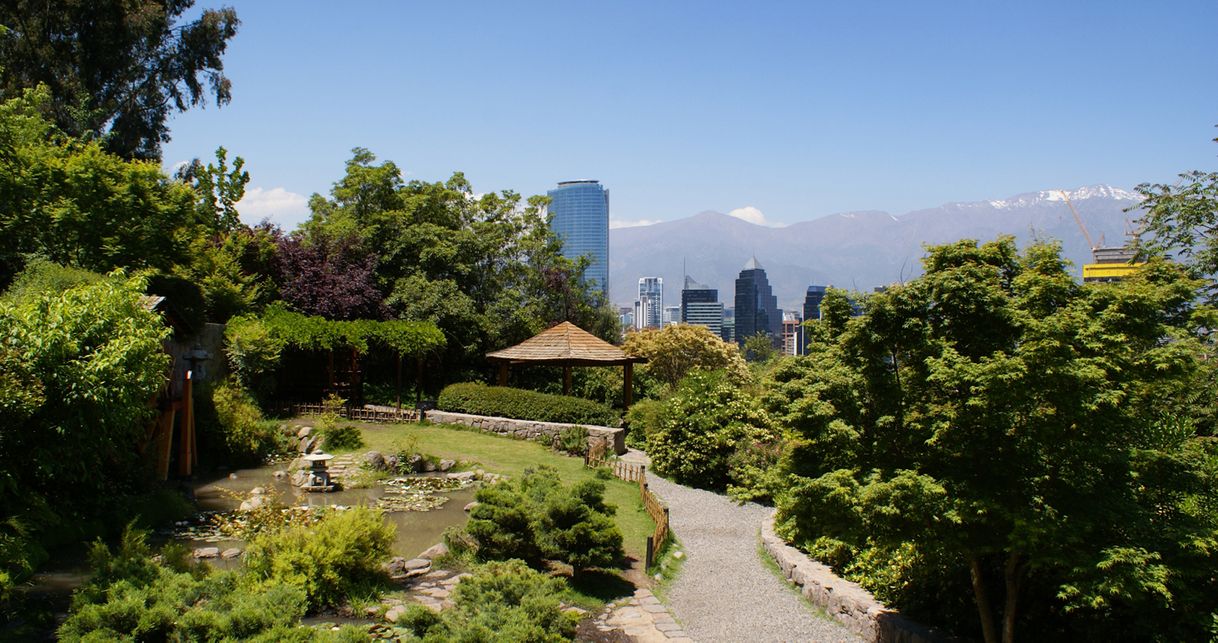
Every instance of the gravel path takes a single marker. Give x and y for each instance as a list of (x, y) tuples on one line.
[(724, 592)]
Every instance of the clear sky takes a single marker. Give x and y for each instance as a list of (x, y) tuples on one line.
[(786, 111)]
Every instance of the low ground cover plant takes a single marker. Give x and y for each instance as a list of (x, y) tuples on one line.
[(134, 595), (503, 401)]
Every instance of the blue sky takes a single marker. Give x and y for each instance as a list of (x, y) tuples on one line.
[(781, 112)]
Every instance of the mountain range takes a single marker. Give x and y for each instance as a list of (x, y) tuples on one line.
[(853, 250)]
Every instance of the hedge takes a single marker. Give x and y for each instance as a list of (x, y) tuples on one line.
[(503, 401)]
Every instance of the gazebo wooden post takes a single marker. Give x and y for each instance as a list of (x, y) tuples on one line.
[(398, 369), (628, 384), (503, 373), (566, 380)]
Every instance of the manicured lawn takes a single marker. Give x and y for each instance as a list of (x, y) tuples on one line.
[(508, 456)]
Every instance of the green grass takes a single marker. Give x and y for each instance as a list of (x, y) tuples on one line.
[(509, 456), (668, 567), (768, 561)]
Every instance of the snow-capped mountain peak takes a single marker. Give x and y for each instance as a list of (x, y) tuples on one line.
[(1080, 194)]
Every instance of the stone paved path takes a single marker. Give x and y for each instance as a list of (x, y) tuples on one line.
[(724, 592), (644, 619)]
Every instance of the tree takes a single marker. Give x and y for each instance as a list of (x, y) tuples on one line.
[(486, 268), (995, 424), (219, 189), (1181, 220), (330, 277), (116, 69), (78, 368), (759, 347), (77, 205), (675, 350)]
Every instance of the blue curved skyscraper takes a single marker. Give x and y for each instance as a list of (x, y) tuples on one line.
[(580, 217)]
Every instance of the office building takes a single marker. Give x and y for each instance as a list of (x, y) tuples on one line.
[(649, 307), (756, 306), (672, 315), (579, 215), (700, 306), (812, 299), (792, 333)]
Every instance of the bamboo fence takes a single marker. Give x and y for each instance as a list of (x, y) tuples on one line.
[(658, 511)]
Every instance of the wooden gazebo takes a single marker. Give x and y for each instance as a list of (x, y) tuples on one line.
[(567, 345)]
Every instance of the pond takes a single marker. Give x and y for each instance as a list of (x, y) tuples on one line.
[(416, 530)]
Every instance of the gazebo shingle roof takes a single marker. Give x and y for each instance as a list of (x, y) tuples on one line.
[(564, 344)]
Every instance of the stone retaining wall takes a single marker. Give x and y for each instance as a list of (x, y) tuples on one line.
[(613, 439), (844, 600)]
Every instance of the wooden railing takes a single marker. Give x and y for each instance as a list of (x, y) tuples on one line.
[(354, 413), (631, 472)]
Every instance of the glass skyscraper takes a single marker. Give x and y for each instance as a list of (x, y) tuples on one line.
[(580, 217), (700, 306), (649, 307), (756, 306)]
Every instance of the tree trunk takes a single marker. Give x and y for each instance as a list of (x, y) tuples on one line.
[(1013, 575), (984, 610)]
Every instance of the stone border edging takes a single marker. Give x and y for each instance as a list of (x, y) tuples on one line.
[(614, 439), (844, 600)]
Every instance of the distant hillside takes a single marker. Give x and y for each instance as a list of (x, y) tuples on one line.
[(855, 250)]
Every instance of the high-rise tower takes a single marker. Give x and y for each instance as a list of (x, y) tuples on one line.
[(649, 308), (580, 217), (700, 306), (756, 306)]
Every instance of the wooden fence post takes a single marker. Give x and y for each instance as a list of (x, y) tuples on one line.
[(650, 557)]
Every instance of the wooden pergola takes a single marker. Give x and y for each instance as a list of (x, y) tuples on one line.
[(567, 345)]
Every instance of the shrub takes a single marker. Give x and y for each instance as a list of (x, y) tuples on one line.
[(253, 353), (344, 437), (501, 601), (536, 517), (328, 559), (134, 595), (702, 426), (573, 440), (246, 434), (503, 401), (643, 419)]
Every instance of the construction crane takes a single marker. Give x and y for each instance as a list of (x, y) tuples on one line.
[(1111, 264), (1081, 226)]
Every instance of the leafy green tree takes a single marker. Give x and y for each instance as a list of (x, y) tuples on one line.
[(1181, 221), (486, 268), (77, 205), (116, 69), (760, 348), (78, 369), (237, 272), (219, 189), (993, 425), (675, 350)]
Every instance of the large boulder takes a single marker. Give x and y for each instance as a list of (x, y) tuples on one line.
[(375, 461)]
